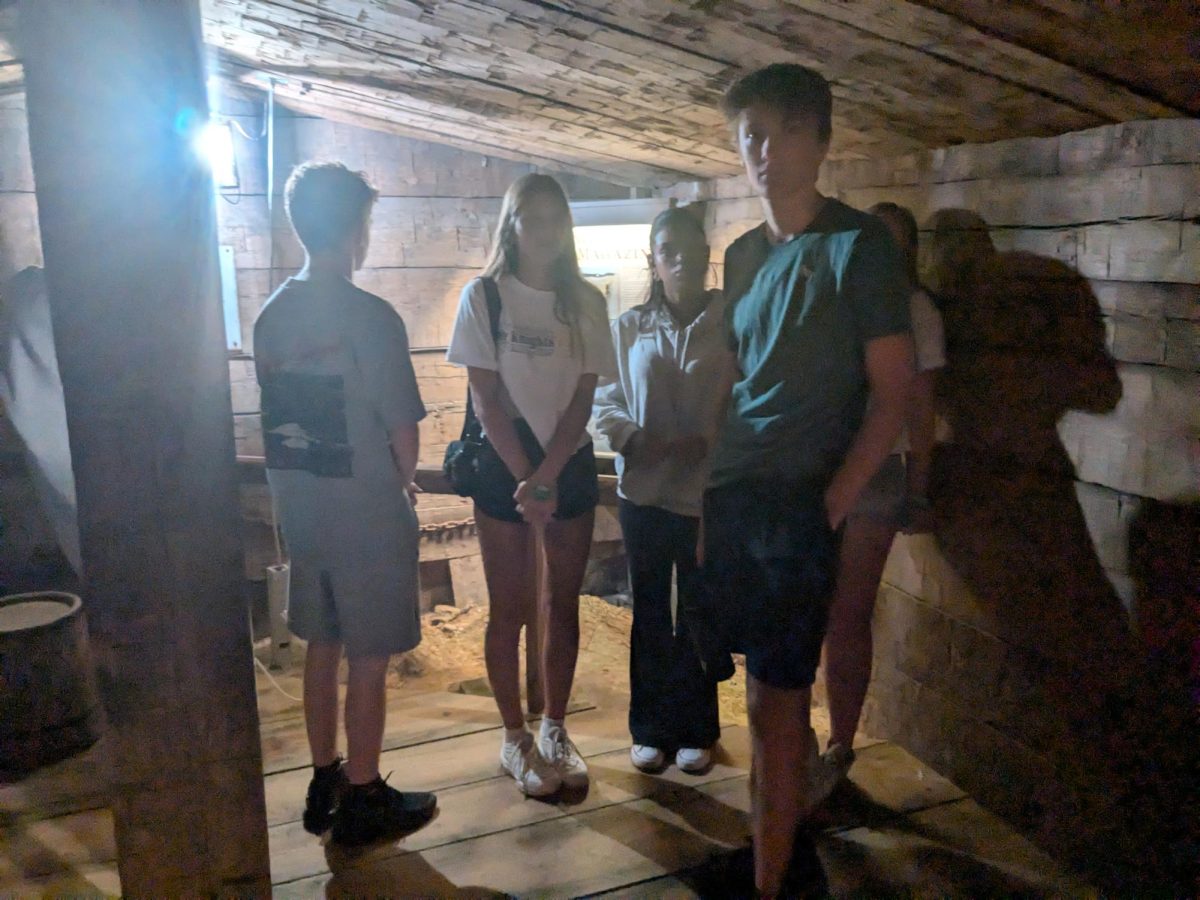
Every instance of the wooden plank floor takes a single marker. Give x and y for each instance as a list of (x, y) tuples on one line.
[(900, 828)]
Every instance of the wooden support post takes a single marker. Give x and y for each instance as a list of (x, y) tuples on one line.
[(116, 93)]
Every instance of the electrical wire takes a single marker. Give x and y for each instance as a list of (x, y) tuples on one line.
[(244, 133), (277, 685)]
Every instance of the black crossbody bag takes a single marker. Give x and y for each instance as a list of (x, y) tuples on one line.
[(460, 463)]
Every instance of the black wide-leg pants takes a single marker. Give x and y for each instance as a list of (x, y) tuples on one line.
[(672, 703)]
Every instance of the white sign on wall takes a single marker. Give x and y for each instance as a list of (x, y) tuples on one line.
[(613, 257)]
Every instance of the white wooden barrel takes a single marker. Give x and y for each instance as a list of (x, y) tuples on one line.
[(49, 708)]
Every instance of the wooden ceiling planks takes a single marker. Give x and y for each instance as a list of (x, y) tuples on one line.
[(630, 87), (362, 105), (897, 67), (469, 81), (913, 27), (1150, 48), (627, 89)]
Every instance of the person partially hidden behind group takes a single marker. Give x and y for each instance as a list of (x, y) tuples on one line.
[(660, 414), (819, 323), (533, 366), (896, 498)]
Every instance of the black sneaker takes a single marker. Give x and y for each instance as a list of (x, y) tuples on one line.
[(376, 812), (324, 792)]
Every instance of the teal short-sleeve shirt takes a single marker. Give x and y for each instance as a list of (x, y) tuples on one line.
[(800, 314)]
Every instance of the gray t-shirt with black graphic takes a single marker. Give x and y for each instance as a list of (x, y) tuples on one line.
[(336, 377)]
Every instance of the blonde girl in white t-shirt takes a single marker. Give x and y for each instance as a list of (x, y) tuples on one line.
[(532, 385)]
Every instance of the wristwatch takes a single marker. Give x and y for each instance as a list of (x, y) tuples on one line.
[(542, 492)]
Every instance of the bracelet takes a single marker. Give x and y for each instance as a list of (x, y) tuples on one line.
[(542, 492)]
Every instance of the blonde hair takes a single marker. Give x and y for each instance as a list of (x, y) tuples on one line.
[(573, 295)]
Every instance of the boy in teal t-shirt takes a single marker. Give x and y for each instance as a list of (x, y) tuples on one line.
[(818, 300), (799, 330)]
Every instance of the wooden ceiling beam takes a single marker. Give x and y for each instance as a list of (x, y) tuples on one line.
[(884, 57), (353, 104), (1145, 48), (315, 48), (485, 124), (497, 56), (740, 45), (917, 26)]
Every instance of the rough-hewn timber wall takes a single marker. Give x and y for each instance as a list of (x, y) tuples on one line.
[(1120, 205), (20, 245)]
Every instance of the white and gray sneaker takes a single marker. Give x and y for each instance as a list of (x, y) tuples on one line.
[(561, 752), (533, 774), (647, 758), (693, 759)]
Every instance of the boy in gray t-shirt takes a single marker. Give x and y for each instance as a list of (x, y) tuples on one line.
[(340, 408)]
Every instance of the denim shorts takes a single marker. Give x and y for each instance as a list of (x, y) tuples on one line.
[(577, 486), (771, 561)]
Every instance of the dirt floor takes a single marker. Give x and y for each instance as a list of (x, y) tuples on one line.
[(452, 650), (450, 657)]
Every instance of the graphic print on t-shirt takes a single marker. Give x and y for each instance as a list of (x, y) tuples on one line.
[(530, 341), (304, 424)]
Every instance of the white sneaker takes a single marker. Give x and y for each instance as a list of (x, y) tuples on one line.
[(561, 753), (534, 776), (646, 758), (693, 759)]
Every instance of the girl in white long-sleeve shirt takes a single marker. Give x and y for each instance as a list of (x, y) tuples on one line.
[(660, 414)]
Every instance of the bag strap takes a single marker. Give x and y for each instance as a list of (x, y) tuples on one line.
[(472, 428), (492, 292)]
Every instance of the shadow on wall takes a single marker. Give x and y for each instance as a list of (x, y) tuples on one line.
[(1164, 554), (1025, 344)]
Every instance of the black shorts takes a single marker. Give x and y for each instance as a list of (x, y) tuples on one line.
[(771, 561), (578, 488)]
